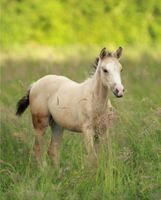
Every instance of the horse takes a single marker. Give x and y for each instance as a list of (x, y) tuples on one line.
[(62, 103)]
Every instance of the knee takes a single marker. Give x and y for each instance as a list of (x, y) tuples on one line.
[(40, 122)]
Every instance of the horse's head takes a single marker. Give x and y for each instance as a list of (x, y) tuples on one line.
[(110, 70)]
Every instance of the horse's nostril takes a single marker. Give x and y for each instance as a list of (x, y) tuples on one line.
[(117, 91)]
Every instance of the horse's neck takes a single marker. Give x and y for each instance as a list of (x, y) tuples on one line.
[(100, 93)]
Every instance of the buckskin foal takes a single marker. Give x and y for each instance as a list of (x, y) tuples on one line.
[(61, 103)]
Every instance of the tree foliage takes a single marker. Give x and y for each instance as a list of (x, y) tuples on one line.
[(57, 22)]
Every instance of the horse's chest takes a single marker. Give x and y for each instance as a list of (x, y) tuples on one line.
[(102, 121)]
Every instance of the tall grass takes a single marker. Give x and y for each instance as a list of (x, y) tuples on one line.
[(129, 165)]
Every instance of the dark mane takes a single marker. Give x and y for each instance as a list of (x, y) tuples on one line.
[(96, 63)]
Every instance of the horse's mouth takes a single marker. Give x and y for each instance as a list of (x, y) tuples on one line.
[(118, 96)]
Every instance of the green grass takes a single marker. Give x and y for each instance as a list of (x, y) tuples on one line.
[(129, 161)]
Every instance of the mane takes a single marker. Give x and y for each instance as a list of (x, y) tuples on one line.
[(96, 63)]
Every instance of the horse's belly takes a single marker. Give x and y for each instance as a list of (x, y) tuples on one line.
[(66, 117), (65, 120)]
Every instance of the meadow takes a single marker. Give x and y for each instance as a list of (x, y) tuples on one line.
[(129, 166)]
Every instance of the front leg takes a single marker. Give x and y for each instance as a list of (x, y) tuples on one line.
[(96, 143), (88, 134)]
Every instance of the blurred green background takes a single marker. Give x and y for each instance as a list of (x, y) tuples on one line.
[(88, 22)]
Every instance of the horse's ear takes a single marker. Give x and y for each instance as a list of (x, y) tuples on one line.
[(118, 52), (103, 53)]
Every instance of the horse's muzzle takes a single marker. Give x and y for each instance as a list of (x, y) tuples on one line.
[(118, 92)]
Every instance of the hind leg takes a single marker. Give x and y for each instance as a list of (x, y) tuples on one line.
[(40, 124), (54, 147)]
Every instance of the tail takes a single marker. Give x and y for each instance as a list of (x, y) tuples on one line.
[(22, 104)]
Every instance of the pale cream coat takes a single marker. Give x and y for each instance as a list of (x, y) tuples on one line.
[(80, 107)]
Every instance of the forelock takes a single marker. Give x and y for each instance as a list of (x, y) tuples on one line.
[(108, 54)]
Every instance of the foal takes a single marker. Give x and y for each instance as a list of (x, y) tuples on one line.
[(65, 104)]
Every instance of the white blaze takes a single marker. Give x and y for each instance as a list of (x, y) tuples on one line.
[(114, 73), (115, 79)]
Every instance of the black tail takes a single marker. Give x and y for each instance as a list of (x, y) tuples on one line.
[(22, 104)]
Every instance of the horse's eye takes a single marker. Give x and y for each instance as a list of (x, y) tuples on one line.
[(105, 70), (121, 69)]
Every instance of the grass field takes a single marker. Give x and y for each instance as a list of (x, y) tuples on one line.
[(129, 161)]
